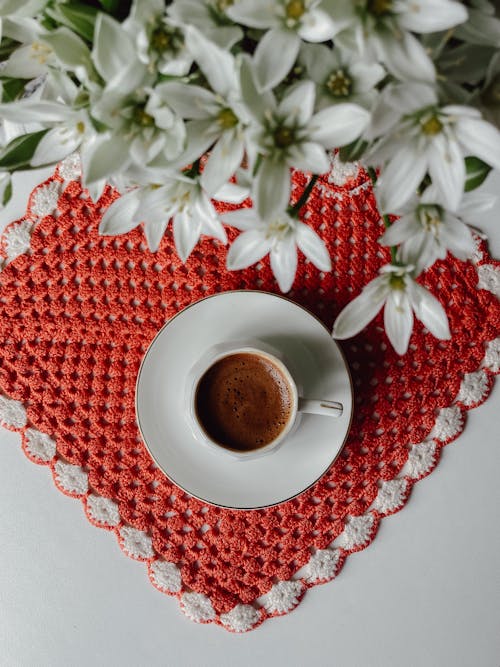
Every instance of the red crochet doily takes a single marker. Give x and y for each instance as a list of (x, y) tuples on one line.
[(77, 312)]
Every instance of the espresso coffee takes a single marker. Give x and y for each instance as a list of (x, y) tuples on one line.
[(243, 401)]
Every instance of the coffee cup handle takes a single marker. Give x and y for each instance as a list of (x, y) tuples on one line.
[(315, 407)]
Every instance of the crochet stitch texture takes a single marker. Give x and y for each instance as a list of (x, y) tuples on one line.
[(78, 311)]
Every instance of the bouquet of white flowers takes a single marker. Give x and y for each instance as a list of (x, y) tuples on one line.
[(180, 103)]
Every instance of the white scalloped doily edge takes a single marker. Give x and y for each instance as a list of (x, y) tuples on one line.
[(324, 564)]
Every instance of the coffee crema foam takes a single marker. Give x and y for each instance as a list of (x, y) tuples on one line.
[(243, 401)]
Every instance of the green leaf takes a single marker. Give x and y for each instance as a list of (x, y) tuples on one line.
[(12, 88), (353, 151), (7, 46), (80, 18), (476, 172), (7, 193), (18, 153), (110, 6)]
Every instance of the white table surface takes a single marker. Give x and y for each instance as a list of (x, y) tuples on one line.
[(426, 593)]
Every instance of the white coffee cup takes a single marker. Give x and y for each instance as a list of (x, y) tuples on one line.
[(299, 404)]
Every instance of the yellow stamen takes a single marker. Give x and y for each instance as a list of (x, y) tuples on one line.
[(227, 118), (432, 126), (295, 9), (278, 229), (142, 118), (397, 282), (339, 84), (40, 52), (222, 5)]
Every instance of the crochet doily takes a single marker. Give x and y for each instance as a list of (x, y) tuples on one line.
[(77, 312)]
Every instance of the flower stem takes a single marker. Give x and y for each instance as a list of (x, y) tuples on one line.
[(295, 209), (385, 218)]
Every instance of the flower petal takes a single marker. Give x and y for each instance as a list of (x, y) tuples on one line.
[(447, 169), (254, 13), (201, 134), (404, 56), (309, 156), (457, 237), (217, 64), (480, 138), (22, 64), (157, 205), (113, 47), (432, 15), (257, 103), (210, 222), (461, 110), (105, 157), (189, 101), (410, 96), (57, 144), (70, 50), (243, 218), (186, 233), (317, 26), (421, 251), (298, 103), (27, 111), (225, 158), (232, 193), (398, 320), (284, 262), (338, 125), (313, 247), (319, 61), (400, 178), (366, 75), (119, 218), (270, 69), (248, 248), (154, 232), (429, 311), (361, 310), (272, 188), (401, 230), (475, 204)]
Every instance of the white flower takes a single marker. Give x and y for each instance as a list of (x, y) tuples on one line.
[(426, 231), (287, 22), (160, 41), (289, 135), (340, 76), (216, 118), (180, 198), (210, 17), (420, 137), (115, 57), (69, 128), (144, 128), (402, 297), (33, 56), (381, 30), (280, 236)]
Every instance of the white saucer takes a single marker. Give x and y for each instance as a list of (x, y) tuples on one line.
[(317, 365)]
